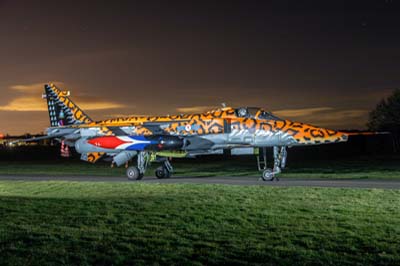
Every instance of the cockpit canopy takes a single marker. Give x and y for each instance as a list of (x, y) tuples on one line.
[(255, 112)]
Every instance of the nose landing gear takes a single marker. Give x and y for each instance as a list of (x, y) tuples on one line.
[(280, 155)]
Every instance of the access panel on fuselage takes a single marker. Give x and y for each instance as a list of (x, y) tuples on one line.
[(227, 125)]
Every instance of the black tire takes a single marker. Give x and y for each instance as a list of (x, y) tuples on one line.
[(267, 175), (133, 173), (160, 172)]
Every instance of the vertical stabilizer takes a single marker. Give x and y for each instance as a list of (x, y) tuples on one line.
[(62, 110)]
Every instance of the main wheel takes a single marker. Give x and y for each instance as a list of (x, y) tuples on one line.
[(267, 175), (162, 172), (133, 173)]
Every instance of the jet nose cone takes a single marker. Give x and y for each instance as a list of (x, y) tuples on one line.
[(310, 135)]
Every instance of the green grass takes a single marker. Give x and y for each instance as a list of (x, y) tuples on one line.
[(58, 223), (386, 167)]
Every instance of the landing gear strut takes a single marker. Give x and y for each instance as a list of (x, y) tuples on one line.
[(280, 155), (143, 161), (165, 170)]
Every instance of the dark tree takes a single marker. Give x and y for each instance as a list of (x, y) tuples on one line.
[(386, 117)]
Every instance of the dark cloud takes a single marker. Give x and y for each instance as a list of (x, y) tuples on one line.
[(156, 56)]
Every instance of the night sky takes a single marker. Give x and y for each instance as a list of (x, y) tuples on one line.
[(323, 62)]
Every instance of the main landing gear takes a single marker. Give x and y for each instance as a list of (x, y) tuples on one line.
[(137, 172), (165, 170), (280, 155), (143, 161), (133, 173)]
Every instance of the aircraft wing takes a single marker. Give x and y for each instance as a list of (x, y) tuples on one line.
[(36, 138), (153, 127), (70, 132)]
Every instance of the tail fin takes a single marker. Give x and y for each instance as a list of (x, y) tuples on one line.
[(62, 110)]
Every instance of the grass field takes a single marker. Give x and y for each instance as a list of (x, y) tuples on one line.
[(56, 223), (360, 167)]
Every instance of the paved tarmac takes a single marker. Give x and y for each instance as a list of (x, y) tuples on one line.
[(243, 181)]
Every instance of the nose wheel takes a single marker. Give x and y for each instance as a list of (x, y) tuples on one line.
[(267, 175)]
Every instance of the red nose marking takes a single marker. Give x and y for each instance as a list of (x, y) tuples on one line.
[(108, 142)]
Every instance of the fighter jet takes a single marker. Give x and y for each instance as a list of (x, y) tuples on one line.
[(238, 131)]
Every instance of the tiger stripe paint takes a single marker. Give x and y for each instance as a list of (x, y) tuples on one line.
[(212, 122), (77, 115), (207, 123), (62, 96), (221, 131), (93, 157)]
